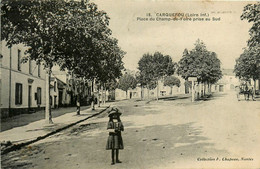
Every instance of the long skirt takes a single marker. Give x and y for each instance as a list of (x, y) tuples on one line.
[(114, 141)]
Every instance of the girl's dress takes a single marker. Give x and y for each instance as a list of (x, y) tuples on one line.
[(114, 140)]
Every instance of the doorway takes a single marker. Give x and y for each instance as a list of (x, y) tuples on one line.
[(221, 88), (60, 98), (29, 97), (55, 102)]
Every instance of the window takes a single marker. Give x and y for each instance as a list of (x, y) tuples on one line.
[(39, 95), (30, 66), (18, 93), (39, 70), (19, 60), (55, 86)]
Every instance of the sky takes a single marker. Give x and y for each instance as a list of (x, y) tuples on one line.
[(226, 37)]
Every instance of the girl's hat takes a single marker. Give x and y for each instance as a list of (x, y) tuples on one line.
[(114, 110)]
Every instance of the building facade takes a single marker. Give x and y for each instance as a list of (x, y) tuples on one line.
[(138, 92), (22, 84), (227, 82), (60, 92)]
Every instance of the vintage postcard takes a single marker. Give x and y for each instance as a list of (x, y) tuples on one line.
[(133, 84)]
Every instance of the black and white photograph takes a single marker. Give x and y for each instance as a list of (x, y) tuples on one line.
[(130, 84)]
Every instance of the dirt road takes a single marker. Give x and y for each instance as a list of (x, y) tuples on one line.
[(217, 133)]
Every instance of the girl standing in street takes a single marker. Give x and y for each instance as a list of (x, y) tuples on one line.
[(114, 127)]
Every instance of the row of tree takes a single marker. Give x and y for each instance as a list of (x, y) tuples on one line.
[(72, 34), (75, 35), (248, 64), (198, 62), (129, 81)]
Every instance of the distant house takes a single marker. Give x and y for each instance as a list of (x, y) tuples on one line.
[(67, 89), (22, 84), (227, 82), (131, 94), (138, 91), (60, 89), (57, 92)]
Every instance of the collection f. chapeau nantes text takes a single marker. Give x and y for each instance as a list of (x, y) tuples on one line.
[(224, 159)]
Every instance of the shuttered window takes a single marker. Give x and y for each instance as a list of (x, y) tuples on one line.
[(19, 60), (30, 66), (39, 95), (39, 70), (18, 93)]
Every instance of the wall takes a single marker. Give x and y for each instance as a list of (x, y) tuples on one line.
[(22, 76), (163, 91)]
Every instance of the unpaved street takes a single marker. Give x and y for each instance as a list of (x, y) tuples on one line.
[(214, 133)]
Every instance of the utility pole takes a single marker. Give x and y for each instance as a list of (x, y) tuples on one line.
[(192, 79)]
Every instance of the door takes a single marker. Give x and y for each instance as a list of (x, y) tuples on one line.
[(60, 97), (29, 97), (55, 101), (221, 88)]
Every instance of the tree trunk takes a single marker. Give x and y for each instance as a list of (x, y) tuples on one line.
[(78, 104), (92, 96), (204, 88), (171, 90), (93, 102), (48, 116), (126, 94), (192, 91), (102, 95), (199, 91), (209, 87), (98, 98), (105, 96), (142, 92), (254, 86), (157, 97)]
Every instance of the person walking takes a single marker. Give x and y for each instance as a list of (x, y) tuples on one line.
[(114, 140), (238, 91), (251, 92)]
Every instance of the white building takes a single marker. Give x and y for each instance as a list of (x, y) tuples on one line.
[(59, 90), (138, 92), (227, 82), (22, 84)]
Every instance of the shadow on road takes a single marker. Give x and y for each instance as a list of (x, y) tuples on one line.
[(145, 147), (25, 119), (174, 98), (170, 143)]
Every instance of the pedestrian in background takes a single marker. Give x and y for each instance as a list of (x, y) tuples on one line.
[(251, 91), (114, 127), (238, 91)]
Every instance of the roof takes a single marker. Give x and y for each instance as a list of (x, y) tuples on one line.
[(60, 81)]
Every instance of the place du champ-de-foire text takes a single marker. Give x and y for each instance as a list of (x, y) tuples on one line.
[(178, 17)]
